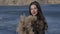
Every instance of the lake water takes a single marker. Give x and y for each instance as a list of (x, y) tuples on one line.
[(10, 16)]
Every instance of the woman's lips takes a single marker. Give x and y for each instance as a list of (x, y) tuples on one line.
[(34, 13)]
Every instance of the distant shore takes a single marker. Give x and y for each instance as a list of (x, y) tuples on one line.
[(26, 2)]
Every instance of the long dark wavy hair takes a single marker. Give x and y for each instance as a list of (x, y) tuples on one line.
[(39, 14)]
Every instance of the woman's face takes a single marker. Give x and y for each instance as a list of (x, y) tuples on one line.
[(34, 10)]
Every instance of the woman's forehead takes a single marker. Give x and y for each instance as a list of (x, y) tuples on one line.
[(33, 6)]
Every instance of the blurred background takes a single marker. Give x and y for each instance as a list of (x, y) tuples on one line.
[(10, 11), (27, 2)]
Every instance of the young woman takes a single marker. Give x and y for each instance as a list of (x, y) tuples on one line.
[(40, 25), (34, 24)]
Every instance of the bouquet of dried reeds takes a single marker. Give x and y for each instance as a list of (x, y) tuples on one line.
[(24, 27)]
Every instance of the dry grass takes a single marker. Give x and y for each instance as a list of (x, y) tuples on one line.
[(24, 27)]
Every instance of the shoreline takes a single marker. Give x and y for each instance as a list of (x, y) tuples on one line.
[(28, 5)]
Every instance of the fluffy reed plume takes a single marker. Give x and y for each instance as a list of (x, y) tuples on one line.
[(24, 27)]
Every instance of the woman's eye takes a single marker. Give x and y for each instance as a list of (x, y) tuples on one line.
[(35, 8)]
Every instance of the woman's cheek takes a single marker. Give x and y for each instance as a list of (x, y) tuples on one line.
[(36, 11), (31, 11)]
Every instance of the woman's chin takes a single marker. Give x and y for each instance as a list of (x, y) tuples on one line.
[(34, 14)]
